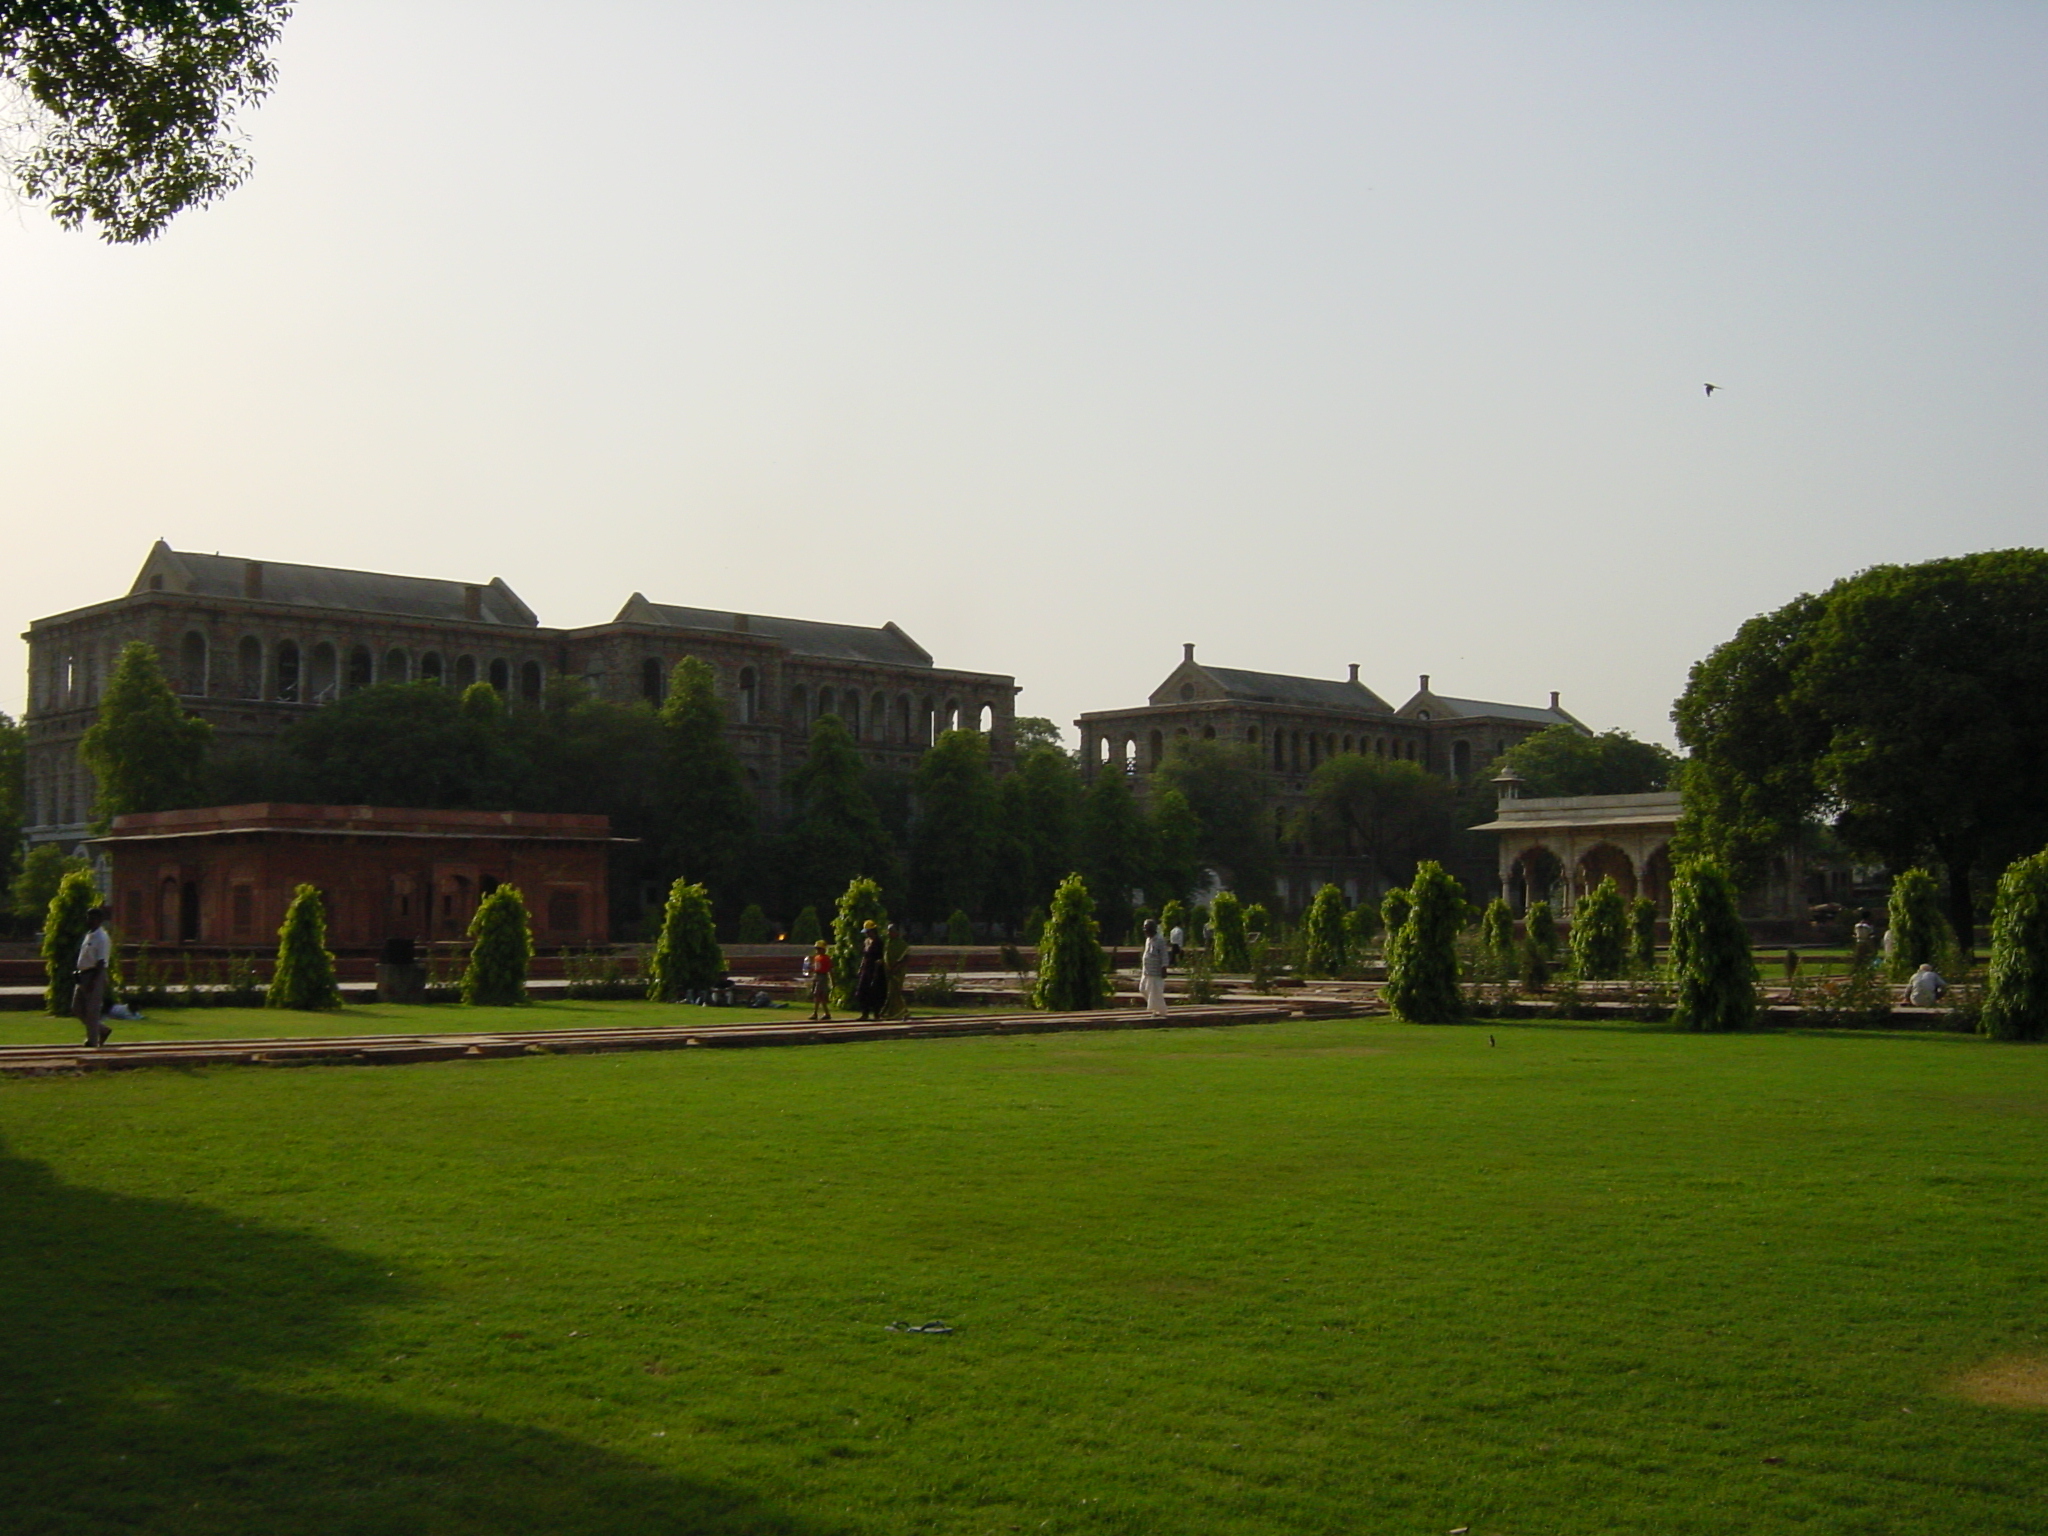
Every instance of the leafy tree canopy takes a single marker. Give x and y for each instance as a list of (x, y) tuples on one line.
[(13, 786), (131, 103), (1222, 783), (1563, 760), (1115, 853), (1392, 811), (837, 835), (1030, 732), (145, 752), (1038, 808), (1908, 704), (955, 833)]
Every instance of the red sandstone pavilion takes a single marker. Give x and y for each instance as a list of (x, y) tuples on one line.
[(224, 874)]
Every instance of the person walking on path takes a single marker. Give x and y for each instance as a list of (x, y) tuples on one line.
[(1152, 963), (95, 957), (821, 982), (896, 955), (871, 981), (1176, 941), (1926, 987)]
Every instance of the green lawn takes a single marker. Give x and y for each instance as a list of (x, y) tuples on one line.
[(1337, 1277), (395, 1019)]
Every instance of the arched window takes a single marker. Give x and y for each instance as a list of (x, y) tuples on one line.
[(928, 730), (360, 673), (321, 678), (1130, 754), (191, 664), (432, 668), (529, 682), (397, 667), (878, 716), (799, 706), (249, 667), (1251, 734), (288, 671), (828, 703), (465, 671), (1102, 750), (851, 710), (501, 676), (650, 680), (750, 696), (984, 718), (1158, 748), (1461, 759), (952, 715)]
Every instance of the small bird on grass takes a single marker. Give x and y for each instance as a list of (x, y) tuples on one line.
[(1491, 1041)]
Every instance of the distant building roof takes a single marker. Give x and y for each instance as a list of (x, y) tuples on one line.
[(322, 586), (1308, 692), (805, 637), (1459, 709)]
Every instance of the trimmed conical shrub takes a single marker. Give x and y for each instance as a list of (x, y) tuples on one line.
[(304, 977), (1919, 931), (1071, 973), (686, 958), (753, 926), (805, 929), (860, 901), (1600, 932), (2016, 989), (1227, 948), (959, 930), (1710, 955), (63, 931), (1497, 934), (1327, 946), (500, 948), (1422, 962), (1539, 927), (1642, 933)]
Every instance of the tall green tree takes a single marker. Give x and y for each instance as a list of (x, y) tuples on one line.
[(1562, 759), (2016, 988), (1539, 926), (304, 974), (1115, 852), (1918, 932), (64, 928), (500, 951), (415, 745), (686, 957), (130, 107), (1176, 843), (836, 835), (1224, 786), (1497, 932), (954, 837), (145, 752), (1326, 950), (859, 904), (1600, 932), (1390, 811), (1911, 702), (1038, 813), (1034, 733), (1072, 974), (1642, 933), (1711, 961), (1422, 968), (704, 802), (42, 871)]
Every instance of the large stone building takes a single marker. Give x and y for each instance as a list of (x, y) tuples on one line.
[(1295, 723), (252, 645)]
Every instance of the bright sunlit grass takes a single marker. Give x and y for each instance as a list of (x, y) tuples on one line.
[(1317, 1277)]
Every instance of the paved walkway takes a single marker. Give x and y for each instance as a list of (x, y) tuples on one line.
[(399, 1050)]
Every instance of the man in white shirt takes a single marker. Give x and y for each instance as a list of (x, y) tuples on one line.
[(89, 998), (1176, 940), (1926, 987), (1152, 965)]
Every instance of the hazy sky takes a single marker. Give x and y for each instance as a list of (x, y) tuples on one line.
[(1064, 333)]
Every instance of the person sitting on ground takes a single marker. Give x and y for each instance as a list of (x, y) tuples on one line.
[(821, 982), (1926, 987)]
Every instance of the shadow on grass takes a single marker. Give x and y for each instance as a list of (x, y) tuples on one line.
[(135, 1330)]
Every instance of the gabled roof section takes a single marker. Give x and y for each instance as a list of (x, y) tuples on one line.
[(1431, 705), (803, 637), (1305, 692), (322, 586)]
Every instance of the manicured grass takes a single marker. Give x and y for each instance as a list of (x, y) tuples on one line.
[(1332, 1277), (395, 1019)]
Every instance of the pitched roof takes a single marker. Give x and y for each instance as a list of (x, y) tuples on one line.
[(322, 586), (1308, 692), (804, 637), (1460, 709)]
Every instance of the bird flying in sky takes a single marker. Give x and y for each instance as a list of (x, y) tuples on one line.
[(1712, 387)]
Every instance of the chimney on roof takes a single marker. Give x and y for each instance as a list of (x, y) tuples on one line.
[(1425, 682), (472, 602), (1187, 653), (739, 622), (1553, 698), (1354, 671), (252, 578)]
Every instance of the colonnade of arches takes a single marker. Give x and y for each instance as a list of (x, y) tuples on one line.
[(1539, 873), (289, 672), (876, 716), (1284, 751)]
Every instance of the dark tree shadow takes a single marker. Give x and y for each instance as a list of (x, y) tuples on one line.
[(133, 1328)]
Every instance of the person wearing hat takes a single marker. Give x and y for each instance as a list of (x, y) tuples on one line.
[(871, 981), (821, 982)]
